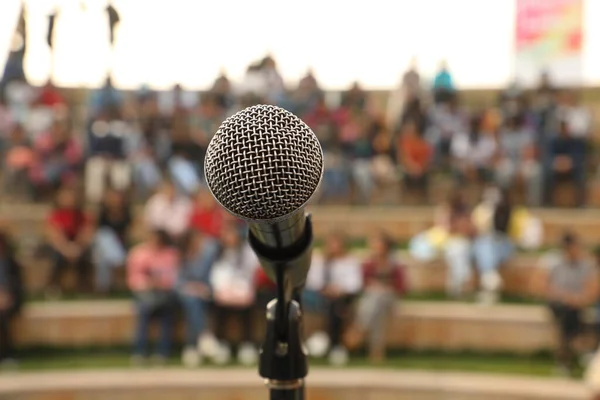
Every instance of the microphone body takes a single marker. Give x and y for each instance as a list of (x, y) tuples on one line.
[(284, 247), (263, 165)]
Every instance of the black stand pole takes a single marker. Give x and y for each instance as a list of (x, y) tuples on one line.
[(283, 359)]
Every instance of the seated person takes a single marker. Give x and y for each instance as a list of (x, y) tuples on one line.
[(194, 294), (518, 159), (566, 156), (111, 240), (443, 84), (333, 283), (597, 306), (18, 159), (473, 153), (457, 251), (107, 153), (572, 285), (187, 155), (207, 218), (414, 153), (11, 299), (57, 157), (168, 210), (494, 219), (151, 276), (69, 232), (232, 280), (384, 281)]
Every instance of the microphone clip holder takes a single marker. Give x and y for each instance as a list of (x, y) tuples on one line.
[(283, 360)]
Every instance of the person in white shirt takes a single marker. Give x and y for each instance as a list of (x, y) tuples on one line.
[(232, 280), (335, 279), (167, 210), (517, 159), (577, 117), (473, 153)]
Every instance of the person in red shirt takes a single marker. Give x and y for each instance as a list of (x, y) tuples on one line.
[(414, 154), (384, 281), (69, 231), (49, 96), (207, 219), (207, 216)]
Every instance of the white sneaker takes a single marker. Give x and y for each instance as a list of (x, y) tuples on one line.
[(208, 345), (339, 356), (487, 298), (586, 358), (190, 357), (138, 361), (223, 354), (9, 364), (562, 371), (247, 354), (491, 281), (318, 344), (159, 361)]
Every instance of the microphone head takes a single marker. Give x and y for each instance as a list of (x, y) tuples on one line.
[(263, 164)]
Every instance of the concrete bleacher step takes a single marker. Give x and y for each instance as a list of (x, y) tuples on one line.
[(523, 276), (357, 222), (403, 223), (443, 326), (321, 384)]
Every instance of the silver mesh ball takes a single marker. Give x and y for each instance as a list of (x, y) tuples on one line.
[(263, 163)]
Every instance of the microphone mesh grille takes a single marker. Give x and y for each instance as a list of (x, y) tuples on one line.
[(263, 163)]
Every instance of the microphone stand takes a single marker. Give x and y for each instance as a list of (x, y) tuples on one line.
[(283, 359)]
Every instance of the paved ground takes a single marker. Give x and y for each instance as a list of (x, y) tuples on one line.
[(18, 385)]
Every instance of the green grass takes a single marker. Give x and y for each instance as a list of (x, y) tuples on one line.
[(413, 296), (531, 365)]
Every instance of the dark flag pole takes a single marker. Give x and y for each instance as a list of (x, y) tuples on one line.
[(113, 21), (50, 39)]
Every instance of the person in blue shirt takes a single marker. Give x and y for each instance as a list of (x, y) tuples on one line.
[(443, 84), (194, 292), (566, 160)]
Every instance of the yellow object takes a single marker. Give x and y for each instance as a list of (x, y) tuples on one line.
[(482, 218), (437, 236), (519, 218)]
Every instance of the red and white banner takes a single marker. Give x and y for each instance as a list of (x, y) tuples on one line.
[(549, 36)]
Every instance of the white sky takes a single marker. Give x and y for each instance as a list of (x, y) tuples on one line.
[(163, 42)]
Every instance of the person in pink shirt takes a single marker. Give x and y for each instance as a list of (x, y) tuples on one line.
[(152, 269)]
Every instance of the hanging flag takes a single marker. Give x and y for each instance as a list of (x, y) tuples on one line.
[(13, 70)]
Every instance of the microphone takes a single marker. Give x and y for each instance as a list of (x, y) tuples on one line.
[(263, 165)]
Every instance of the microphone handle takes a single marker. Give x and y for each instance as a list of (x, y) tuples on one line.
[(293, 258), (280, 234)]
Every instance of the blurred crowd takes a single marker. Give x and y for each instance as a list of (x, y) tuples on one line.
[(95, 161), (129, 141), (192, 263), (194, 257)]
